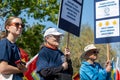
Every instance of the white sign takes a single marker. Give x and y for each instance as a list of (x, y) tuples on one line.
[(107, 8), (107, 28), (71, 11)]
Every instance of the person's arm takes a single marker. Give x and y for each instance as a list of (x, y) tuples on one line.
[(5, 57), (70, 68), (51, 71), (43, 67), (68, 60), (5, 68)]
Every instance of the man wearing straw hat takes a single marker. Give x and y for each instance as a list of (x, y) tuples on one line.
[(52, 64), (91, 70)]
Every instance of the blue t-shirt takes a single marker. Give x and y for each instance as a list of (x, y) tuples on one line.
[(10, 53)]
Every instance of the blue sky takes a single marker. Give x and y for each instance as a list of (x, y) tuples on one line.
[(88, 13)]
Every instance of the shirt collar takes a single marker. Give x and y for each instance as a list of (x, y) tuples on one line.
[(51, 47)]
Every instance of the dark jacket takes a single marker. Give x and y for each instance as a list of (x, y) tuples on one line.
[(49, 65)]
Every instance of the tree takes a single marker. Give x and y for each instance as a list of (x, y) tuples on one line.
[(42, 10), (31, 39), (77, 44)]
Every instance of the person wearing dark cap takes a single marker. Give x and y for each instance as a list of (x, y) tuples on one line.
[(91, 70), (53, 64)]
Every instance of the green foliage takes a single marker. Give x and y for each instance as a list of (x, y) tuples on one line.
[(41, 10), (31, 39), (37, 9), (77, 44)]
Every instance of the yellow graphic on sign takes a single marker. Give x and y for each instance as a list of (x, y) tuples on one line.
[(100, 24), (107, 23), (114, 22)]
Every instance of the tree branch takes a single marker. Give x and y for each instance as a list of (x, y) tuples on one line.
[(4, 13)]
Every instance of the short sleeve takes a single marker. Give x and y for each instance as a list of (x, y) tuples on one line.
[(5, 51)]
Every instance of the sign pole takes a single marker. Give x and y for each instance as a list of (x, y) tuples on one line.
[(68, 39), (108, 52), (67, 45)]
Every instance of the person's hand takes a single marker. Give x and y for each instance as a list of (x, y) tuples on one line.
[(67, 53), (108, 66), (65, 65), (21, 66)]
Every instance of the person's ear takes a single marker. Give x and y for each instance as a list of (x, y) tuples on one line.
[(7, 28)]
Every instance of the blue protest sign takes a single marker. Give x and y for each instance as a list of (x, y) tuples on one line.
[(106, 27), (70, 16)]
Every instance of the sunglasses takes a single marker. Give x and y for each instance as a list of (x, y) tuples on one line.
[(18, 24), (96, 52)]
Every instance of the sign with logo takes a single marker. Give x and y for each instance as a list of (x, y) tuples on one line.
[(70, 16), (107, 15)]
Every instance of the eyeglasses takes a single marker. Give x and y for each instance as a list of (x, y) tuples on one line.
[(55, 36), (18, 24)]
